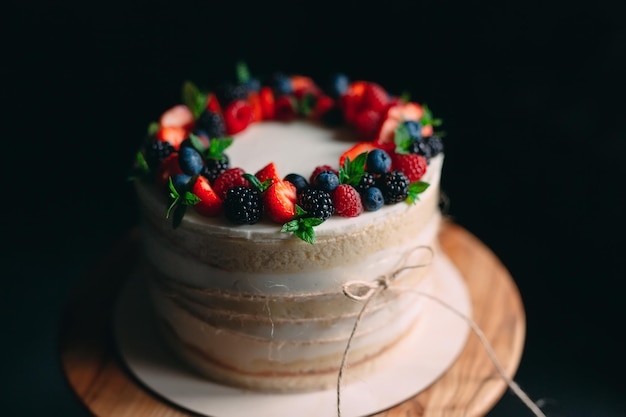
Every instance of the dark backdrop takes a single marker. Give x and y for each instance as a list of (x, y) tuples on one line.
[(532, 98)]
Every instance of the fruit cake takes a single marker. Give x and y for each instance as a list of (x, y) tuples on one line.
[(270, 207)]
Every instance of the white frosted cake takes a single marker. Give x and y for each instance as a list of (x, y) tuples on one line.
[(253, 284)]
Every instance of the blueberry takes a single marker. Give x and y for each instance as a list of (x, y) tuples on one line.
[(339, 84), (414, 128), (253, 84), (378, 161), (298, 180), (326, 180), (190, 160), (373, 199), (282, 83), (180, 182)]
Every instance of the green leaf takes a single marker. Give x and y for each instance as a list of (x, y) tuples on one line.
[(428, 119), (197, 143), (300, 212), (173, 191), (190, 199), (352, 171), (256, 183), (311, 221), (290, 227), (217, 146), (402, 139), (306, 104), (243, 74), (179, 213), (306, 234), (193, 98), (415, 189), (153, 128)]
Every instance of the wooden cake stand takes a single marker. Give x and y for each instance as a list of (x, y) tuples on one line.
[(469, 388)]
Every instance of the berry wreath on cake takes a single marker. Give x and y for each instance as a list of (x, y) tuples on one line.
[(262, 202)]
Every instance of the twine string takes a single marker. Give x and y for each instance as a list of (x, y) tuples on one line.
[(368, 290)]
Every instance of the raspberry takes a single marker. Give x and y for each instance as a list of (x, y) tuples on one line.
[(347, 201), (412, 165), (232, 177)]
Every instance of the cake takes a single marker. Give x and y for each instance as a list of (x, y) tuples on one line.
[(275, 214)]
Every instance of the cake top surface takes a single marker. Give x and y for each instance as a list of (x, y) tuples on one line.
[(286, 154)]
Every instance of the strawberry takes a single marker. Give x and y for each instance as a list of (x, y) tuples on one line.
[(355, 151), (322, 105), (301, 85), (321, 168), (237, 116), (427, 130), (231, 177), (279, 201), (367, 124), (285, 108), (175, 135), (268, 172), (412, 165), (177, 116), (405, 111), (347, 201), (350, 101), (257, 109), (210, 203), (266, 98), (386, 132), (169, 167), (374, 97), (212, 104)]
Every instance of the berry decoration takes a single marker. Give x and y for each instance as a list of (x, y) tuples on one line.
[(394, 186), (347, 201), (316, 203), (242, 205)]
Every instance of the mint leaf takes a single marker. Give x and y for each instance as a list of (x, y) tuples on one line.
[(306, 104), (428, 119), (217, 147), (301, 226), (243, 74), (193, 98), (415, 189), (352, 171), (190, 199), (179, 213), (290, 227), (306, 234), (197, 143), (256, 183), (153, 128), (402, 139)]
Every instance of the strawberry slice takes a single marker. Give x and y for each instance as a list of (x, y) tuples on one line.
[(405, 111), (268, 172), (175, 135), (210, 204), (266, 97), (212, 104), (355, 151), (279, 201), (177, 116), (237, 116)]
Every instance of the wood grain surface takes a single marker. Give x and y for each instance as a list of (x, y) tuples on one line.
[(469, 388)]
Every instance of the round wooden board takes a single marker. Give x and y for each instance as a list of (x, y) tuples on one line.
[(469, 388)]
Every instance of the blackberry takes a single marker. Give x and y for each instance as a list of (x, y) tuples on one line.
[(156, 151), (428, 147), (367, 180), (227, 92), (214, 167), (242, 205), (317, 203), (436, 145), (394, 186), (212, 124)]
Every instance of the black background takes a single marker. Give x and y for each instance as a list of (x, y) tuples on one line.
[(532, 98)]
